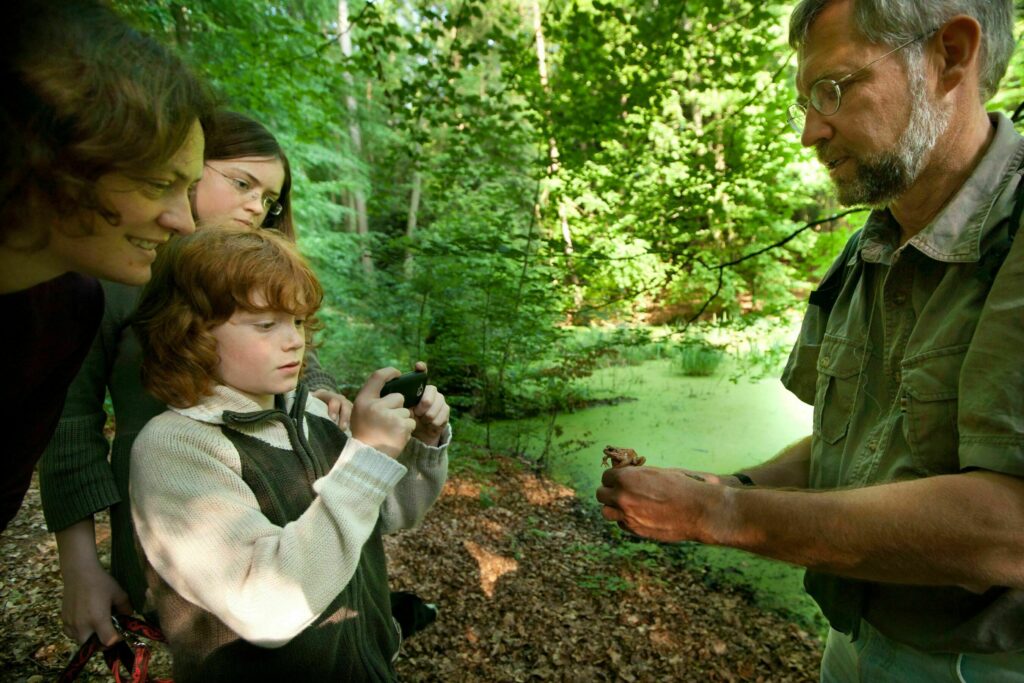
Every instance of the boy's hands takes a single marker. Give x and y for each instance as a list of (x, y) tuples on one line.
[(381, 422), (431, 413)]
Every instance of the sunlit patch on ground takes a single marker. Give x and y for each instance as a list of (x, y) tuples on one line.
[(462, 488), (492, 566), (543, 492)]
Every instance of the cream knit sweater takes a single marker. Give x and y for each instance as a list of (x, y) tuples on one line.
[(203, 532)]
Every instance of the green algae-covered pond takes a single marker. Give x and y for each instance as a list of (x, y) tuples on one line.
[(704, 423)]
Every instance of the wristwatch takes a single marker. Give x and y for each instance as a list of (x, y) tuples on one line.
[(744, 479)]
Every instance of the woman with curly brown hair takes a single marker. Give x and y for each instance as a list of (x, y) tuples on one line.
[(101, 142)]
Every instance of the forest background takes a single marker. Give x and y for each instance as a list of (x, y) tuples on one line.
[(477, 180)]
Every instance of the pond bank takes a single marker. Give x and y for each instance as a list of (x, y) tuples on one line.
[(704, 423)]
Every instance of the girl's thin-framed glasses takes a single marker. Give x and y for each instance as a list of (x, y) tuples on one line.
[(244, 188)]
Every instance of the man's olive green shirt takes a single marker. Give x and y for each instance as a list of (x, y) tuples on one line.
[(919, 371)]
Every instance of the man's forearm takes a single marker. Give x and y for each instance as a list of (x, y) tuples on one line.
[(963, 529), (789, 469)]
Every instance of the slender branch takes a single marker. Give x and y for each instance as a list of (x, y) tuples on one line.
[(790, 236), (317, 51), (658, 284), (767, 85), (663, 252), (722, 266), (1017, 113), (707, 303), (734, 20), (507, 351)]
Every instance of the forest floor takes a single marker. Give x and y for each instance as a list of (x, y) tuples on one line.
[(531, 584)]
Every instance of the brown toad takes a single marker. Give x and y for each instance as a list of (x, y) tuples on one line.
[(621, 457)]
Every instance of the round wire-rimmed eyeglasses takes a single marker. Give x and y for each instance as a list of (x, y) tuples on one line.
[(826, 94)]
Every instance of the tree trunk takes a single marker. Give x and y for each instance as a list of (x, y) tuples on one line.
[(542, 71), (355, 133), (182, 33), (350, 219), (410, 224), (554, 165)]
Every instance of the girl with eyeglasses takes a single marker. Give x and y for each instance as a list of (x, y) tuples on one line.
[(246, 180)]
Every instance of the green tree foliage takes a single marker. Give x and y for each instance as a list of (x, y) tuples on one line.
[(610, 177)]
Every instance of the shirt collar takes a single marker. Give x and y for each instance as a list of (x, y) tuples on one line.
[(955, 235), (211, 408)]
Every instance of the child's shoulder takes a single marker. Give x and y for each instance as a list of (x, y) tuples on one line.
[(173, 426), (172, 440)]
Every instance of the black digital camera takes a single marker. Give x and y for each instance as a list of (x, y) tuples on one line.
[(410, 386)]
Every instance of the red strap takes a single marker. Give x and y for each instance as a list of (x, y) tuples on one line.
[(130, 652), (79, 660), (141, 627), (135, 661)]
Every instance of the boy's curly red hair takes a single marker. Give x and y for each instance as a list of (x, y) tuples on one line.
[(199, 281)]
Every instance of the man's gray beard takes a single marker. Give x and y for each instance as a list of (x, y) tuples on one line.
[(882, 178)]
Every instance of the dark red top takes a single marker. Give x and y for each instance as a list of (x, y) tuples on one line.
[(48, 330)]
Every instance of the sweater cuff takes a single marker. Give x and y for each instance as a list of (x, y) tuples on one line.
[(364, 469), (316, 379), (75, 479), (417, 451)]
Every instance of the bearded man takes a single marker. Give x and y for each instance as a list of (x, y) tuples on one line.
[(906, 504)]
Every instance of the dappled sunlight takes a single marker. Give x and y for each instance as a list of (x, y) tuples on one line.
[(462, 488), (543, 492), (492, 566)]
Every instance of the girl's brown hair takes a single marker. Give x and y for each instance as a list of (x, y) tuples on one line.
[(85, 95), (199, 281)]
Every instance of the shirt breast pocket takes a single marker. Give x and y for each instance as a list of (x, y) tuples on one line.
[(839, 370), (929, 404)]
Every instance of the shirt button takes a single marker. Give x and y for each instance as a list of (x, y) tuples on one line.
[(825, 361), (872, 445), (897, 376), (904, 404)]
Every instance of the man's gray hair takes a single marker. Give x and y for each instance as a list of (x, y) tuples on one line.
[(894, 22)]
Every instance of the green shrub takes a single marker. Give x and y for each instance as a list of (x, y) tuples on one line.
[(635, 355), (762, 360), (697, 360)]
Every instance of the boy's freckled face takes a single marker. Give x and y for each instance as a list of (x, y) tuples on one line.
[(260, 352)]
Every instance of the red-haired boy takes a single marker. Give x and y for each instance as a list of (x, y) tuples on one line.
[(260, 520)]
